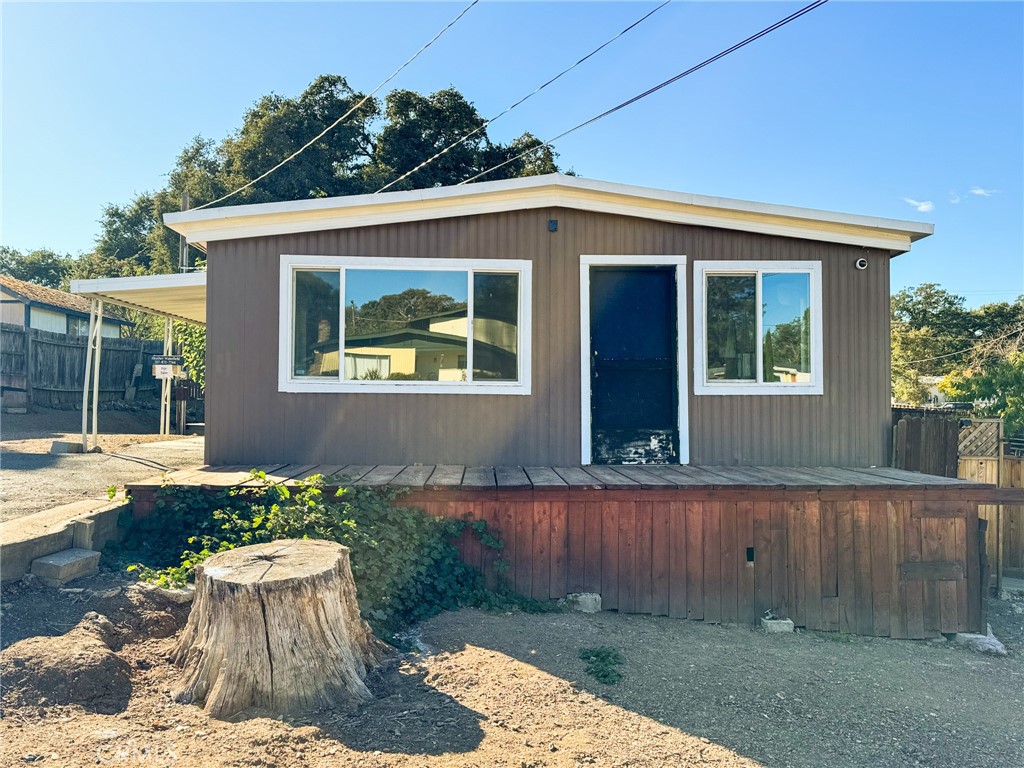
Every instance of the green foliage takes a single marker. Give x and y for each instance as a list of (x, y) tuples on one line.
[(934, 335), (41, 266), (191, 341), (997, 386), (602, 663), (403, 560)]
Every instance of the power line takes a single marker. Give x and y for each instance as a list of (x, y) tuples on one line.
[(983, 344), (341, 119), (638, 97), (508, 109)]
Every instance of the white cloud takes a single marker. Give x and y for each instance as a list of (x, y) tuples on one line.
[(982, 192), (923, 206), (954, 198)]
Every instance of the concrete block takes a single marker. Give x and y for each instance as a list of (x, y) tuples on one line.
[(65, 446), (58, 569), (83, 533), (777, 626), (584, 602)]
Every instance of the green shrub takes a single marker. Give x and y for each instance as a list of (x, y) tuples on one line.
[(602, 663), (404, 562)]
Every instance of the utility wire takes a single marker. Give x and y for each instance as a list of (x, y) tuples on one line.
[(535, 91), (983, 344), (638, 97), (341, 119)]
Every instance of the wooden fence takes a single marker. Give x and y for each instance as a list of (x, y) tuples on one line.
[(880, 565), (1005, 535), (43, 368), (926, 444)]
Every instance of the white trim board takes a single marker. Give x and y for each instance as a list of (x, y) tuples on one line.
[(551, 190), (682, 364), (286, 382)]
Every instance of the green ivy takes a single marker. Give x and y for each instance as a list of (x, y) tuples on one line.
[(404, 562)]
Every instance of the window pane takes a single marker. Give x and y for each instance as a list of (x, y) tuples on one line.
[(731, 327), (495, 327), (317, 305), (405, 325), (786, 324)]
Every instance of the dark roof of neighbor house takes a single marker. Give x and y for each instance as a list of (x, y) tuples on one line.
[(41, 295)]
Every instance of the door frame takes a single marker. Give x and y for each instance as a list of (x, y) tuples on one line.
[(682, 333)]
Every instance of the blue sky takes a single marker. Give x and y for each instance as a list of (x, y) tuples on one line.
[(887, 109)]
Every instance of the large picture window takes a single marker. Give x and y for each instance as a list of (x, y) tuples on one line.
[(757, 327), (414, 325)]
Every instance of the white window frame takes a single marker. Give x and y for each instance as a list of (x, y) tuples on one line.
[(683, 415), (290, 264), (701, 384)]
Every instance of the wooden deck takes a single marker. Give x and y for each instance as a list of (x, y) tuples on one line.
[(872, 551), (447, 477)]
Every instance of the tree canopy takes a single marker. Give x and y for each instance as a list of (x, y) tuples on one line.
[(378, 143), (976, 351)]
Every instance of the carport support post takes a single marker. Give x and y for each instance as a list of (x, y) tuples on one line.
[(88, 372), (96, 374), (165, 384)]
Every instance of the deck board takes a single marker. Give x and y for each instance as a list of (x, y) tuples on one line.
[(629, 477), (414, 477), (446, 476), (511, 478), (478, 478), (544, 477)]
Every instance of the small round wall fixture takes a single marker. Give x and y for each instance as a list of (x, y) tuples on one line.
[(861, 263)]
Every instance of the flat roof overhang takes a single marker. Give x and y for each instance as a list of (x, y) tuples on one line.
[(202, 226), (180, 297)]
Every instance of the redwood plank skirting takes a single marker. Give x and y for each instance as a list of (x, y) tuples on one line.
[(868, 551), (869, 565)]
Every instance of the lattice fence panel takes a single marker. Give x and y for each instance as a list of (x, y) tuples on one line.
[(980, 438)]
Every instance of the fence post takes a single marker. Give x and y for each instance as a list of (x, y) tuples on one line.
[(1000, 476), (29, 394)]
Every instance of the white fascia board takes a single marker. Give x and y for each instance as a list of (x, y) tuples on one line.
[(552, 190), (139, 283)]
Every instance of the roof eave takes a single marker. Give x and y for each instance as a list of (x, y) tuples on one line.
[(554, 190)]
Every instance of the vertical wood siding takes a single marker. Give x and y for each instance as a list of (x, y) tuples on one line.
[(897, 568), (249, 421)]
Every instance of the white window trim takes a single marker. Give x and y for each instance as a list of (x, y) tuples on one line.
[(701, 385), (289, 383), (682, 366)]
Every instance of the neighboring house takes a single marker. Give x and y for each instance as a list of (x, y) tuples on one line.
[(548, 320), (47, 309)]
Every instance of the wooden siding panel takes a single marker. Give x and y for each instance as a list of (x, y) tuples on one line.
[(677, 555), (249, 421)]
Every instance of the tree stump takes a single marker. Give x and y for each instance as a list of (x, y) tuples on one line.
[(275, 626)]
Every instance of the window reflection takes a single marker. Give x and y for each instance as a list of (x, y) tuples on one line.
[(406, 325), (731, 327), (786, 326), (495, 326), (317, 307)]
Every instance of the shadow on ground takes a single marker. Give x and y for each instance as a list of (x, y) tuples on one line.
[(806, 699), (407, 716)]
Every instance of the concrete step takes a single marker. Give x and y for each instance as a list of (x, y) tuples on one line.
[(58, 569)]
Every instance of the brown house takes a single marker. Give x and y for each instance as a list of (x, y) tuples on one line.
[(511, 351), (548, 320)]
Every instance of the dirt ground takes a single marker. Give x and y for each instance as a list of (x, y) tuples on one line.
[(31, 479), (500, 689)]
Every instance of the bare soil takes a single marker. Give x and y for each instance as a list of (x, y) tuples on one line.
[(509, 689), (32, 480)]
